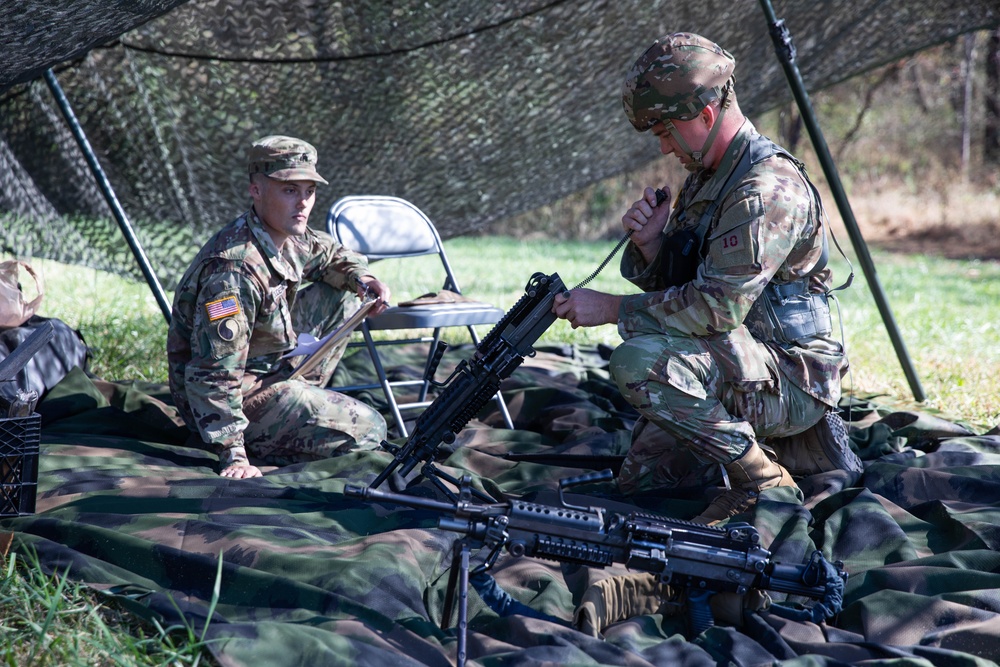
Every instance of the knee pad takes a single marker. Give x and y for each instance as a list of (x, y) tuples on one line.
[(632, 360)]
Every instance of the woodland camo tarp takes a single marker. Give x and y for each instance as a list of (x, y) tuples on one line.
[(311, 577)]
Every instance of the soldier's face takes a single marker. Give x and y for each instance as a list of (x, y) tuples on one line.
[(283, 206), (692, 131)]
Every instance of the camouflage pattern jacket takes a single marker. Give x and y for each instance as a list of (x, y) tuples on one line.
[(232, 321), (768, 228)]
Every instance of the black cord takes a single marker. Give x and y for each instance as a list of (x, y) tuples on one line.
[(661, 196)]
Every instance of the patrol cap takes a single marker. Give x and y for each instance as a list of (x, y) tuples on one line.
[(284, 158), (677, 77)]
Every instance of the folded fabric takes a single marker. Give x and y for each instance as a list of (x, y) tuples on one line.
[(444, 296)]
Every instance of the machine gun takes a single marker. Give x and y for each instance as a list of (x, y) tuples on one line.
[(691, 557), (475, 381)]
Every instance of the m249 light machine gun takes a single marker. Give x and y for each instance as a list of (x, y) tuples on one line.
[(697, 561), (475, 381)]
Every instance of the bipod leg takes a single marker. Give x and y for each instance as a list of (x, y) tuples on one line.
[(389, 469), (435, 475), (458, 576)]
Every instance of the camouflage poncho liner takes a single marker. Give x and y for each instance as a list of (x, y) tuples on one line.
[(310, 577)]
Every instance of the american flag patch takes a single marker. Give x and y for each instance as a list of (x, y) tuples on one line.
[(222, 308)]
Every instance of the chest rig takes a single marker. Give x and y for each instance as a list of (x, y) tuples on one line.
[(786, 313)]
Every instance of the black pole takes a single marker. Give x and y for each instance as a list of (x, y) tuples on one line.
[(109, 194), (786, 55)]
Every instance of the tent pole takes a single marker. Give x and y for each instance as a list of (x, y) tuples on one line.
[(109, 194), (786, 54)]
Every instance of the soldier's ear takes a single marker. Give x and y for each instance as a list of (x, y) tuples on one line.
[(708, 115)]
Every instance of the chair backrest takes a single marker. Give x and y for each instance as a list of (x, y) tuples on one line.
[(381, 227)]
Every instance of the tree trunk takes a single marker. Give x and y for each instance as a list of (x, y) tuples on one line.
[(991, 138), (968, 70)]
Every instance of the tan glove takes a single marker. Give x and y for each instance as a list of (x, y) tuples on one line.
[(621, 597), (15, 307), (615, 599)]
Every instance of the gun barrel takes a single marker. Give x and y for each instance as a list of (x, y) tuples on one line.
[(369, 493), (458, 509)]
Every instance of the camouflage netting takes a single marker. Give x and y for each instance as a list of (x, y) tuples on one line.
[(474, 111)]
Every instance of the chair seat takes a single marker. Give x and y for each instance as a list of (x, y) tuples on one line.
[(382, 227), (433, 316)]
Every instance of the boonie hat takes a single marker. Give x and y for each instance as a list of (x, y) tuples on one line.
[(677, 77), (284, 158)]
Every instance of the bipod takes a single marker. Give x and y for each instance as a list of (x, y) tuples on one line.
[(435, 475), (460, 555), (458, 577)]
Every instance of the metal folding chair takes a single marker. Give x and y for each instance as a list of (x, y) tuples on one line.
[(384, 227)]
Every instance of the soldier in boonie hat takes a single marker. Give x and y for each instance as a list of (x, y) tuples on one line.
[(284, 158)]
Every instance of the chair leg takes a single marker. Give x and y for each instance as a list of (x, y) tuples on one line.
[(502, 405), (383, 380)]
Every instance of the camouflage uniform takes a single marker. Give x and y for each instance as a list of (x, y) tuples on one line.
[(706, 385), (237, 311)]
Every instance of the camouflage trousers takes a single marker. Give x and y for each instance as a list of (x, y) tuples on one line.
[(293, 421), (703, 401)]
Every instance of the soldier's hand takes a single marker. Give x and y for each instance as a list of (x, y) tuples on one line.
[(241, 471), (646, 219), (586, 307), (377, 287)]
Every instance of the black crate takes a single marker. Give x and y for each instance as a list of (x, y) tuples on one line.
[(19, 437)]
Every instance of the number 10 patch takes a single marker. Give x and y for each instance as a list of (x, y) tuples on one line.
[(731, 242)]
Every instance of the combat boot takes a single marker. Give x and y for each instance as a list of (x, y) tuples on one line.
[(748, 475), (823, 447)]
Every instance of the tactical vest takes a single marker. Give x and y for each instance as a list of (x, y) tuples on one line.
[(785, 313)]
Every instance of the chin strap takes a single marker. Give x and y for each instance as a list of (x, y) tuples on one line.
[(697, 157)]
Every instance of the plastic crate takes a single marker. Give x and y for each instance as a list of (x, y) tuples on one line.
[(19, 437)]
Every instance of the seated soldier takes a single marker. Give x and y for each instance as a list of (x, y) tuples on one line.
[(729, 344), (239, 309), (53, 353)]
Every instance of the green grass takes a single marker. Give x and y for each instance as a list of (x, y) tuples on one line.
[(944, 313), (49, 621), (943, 310)]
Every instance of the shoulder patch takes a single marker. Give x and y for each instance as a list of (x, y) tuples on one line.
[(224, 307), (746, 206), (733, 244), (228, 328), (732, 241)]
